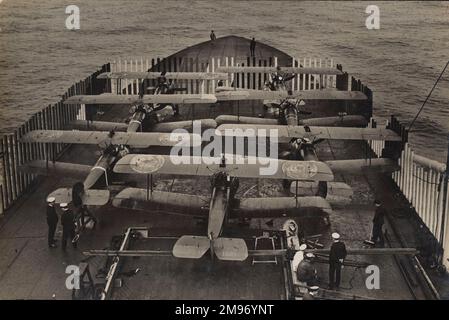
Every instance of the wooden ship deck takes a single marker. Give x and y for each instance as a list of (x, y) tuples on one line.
[(29, 270)]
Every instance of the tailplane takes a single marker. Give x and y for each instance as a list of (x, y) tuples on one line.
[(194, 247), (230, 249)]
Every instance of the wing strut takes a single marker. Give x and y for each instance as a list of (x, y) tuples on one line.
[(296, 193), (149, 185)]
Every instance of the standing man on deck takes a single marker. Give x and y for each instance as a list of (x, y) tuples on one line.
[(306, 271), (252, 47), (378, 222), (337, 256), (212, 36), (52, 221), (68, 226)]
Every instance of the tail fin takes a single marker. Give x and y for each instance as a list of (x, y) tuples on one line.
[(230, 249), (193, 247)]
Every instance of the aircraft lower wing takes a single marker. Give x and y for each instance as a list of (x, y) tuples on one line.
[(249, 94), (97, 125), (110, 98), (236, 166), (134, 139), (90, 197), (61, 169), (131, 75), (310, 188), (224, 119), (177, 203), (360, 166), (287, 133), (277, 207), (337, 193), (338, 121)]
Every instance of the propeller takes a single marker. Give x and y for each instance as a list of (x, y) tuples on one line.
[(145, 112)]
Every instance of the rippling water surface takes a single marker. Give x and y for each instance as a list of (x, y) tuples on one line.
[(40, 58)]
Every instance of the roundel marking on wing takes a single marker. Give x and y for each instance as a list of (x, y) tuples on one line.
[(300, 170), (146, 163)]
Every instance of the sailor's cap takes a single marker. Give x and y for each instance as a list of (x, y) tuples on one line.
[(303, 247), (63, 206), (310, 255), (51, 199), (314, 288), (335, 236)]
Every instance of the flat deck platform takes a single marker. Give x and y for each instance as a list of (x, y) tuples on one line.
[(30, 270)]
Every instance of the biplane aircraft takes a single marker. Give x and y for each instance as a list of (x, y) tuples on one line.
[(302, 141), (115, 145), (147, 109), (286, 104), (222, 204)]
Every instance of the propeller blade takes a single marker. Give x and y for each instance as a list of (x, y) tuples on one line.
[(289, 77), (317, 141)]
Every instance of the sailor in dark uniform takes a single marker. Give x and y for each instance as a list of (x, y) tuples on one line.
[(212, 36), (336, 257), (68, 226), (52, 221), (306, 271), (378, 222), (252, 47)]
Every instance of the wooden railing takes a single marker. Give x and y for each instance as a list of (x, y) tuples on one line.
[(421, 181), (242, 80), (313, 81), (14, 153)]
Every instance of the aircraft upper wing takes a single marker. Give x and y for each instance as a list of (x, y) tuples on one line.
[(109, 98), (169, 75), (286, 133), (236, 166), (296, 70), (134, 139), (280, 207), (249, 94), (141, 199), (186, 124)]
